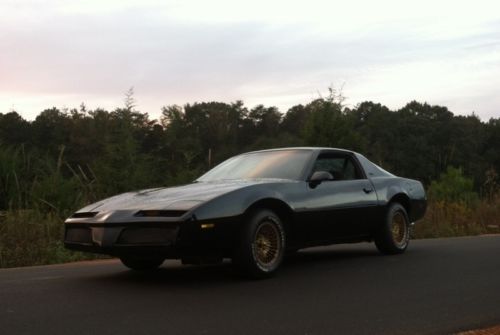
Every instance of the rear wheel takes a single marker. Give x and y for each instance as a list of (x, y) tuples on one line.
[(142, 263), (262, 245), (393, 235)]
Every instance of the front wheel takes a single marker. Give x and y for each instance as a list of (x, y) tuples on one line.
[(393, 236), (262, 245), (142, 263)]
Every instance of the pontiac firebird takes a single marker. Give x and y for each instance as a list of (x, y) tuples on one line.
[(255, 208)]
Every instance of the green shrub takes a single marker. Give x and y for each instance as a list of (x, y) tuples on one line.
[(453, 186)]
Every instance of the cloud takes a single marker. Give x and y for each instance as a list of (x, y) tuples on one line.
[(279, 53)]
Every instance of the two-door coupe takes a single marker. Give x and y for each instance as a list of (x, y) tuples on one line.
[(254, 208)]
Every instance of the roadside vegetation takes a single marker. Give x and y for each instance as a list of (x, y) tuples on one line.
[(65, 159), (455, 209)]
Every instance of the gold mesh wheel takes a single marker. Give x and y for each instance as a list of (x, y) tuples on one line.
[(267, 245), (393, 236), (262, 247), (399, 229)]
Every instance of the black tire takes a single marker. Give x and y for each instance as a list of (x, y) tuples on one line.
[(393, 236), (262, 245), (143, 264)]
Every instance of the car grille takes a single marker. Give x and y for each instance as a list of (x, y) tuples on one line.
[(148, 236), (79, 235)]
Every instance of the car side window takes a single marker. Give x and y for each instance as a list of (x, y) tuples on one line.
[(341, 167)]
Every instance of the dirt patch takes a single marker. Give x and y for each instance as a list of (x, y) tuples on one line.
[(487, 331)]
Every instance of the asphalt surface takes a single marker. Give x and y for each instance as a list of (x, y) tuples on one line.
[(439, 286)]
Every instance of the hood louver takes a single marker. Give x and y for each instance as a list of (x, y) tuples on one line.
[(160, 213), (83, 215)]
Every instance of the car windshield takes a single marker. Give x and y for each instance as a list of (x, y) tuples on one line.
[(281, 164)]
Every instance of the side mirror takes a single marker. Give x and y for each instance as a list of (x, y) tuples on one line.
[(318, 177)]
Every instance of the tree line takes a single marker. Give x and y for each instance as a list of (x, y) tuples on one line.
[(65, 158)]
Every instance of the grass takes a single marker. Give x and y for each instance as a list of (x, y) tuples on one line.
[(449, 219), (29, 237)]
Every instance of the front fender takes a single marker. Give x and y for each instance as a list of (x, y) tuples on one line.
[(235, 203)]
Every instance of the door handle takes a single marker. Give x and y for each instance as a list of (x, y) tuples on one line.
[(367, 190)]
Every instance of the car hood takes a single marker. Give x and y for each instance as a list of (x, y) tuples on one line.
[(173, 198)]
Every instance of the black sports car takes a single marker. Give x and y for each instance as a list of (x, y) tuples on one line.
[(254, 208)]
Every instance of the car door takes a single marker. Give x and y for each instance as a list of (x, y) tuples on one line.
[(340, 207)]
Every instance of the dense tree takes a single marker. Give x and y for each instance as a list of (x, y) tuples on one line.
[(65, 158), (14, 130), (294, 120)]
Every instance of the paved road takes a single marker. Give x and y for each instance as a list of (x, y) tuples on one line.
[(439, 286)]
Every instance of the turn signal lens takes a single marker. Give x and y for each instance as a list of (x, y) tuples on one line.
[(207, 225)]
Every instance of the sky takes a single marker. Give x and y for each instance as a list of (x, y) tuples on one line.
[(278, 53)]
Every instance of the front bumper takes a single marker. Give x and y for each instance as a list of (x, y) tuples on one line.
[(177, 239), (122, 239)]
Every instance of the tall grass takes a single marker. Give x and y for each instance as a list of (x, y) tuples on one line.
[(29, 237), (456, 210), (37, 194), (36, 182), (448, 218)]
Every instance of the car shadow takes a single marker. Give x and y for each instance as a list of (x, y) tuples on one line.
[(329, 254), (301, 264)]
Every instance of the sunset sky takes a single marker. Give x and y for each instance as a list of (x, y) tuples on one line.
[(282, 53)]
